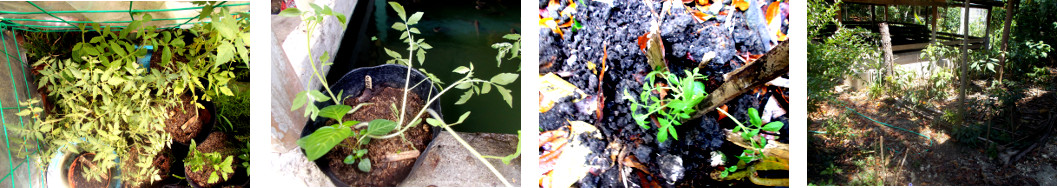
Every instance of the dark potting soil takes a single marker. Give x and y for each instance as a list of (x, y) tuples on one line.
[(225, 145), (162, 161), (383, 172), (183, 123), (609, 35), (76, 175)]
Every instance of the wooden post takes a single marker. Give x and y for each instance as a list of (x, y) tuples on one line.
[(987, 29), (1005, 37), (965, 59), (886, 45), (872, 17), (935, 20)]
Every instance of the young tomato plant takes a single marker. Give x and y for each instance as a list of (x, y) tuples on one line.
[(220, 164), (751, 133), (686, 93)]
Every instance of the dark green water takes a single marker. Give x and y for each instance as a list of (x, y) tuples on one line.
[(459, 34)]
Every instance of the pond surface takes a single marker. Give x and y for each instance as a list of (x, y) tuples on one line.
[(460, 33)]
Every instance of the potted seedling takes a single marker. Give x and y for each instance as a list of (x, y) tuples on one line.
[(381, 116), (214, 162)]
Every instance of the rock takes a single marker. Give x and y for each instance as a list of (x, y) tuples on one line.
[(448, 164), (671, 167), (299, 170)]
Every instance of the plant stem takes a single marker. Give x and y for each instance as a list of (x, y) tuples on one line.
[(407, 77), (470, 148), (743, 127), (312, 61)]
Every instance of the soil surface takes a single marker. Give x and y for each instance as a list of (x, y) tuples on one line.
[(184, 121), (845, 148), (77, 178), (383, 172), (608, 42), (226, 145)]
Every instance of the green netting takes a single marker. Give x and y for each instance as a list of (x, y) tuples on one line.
[(67, 16), (16, 85)]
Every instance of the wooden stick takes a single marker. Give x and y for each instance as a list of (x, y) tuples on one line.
[(770, 66)]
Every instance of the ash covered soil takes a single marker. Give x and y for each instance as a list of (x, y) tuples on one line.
[(608, 39)]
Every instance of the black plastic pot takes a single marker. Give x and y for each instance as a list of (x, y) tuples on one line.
[(352, 84), (180, 150), (239, 178)]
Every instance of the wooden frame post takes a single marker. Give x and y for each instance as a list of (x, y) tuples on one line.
[(965, 60)]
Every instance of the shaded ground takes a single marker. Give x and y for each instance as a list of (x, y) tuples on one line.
[(845, 148)]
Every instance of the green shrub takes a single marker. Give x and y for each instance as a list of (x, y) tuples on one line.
[(831, 58)]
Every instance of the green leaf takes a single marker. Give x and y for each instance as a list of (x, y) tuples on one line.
[(311, 111), (506, 95), (393, 54), (414, 30), (334, 112), (486, 88), (299, 100), (754, 117), (399, 10), (512, 36), (465, 97), (662, 134), (349, 160), (464, 85), (318, 96), (504, 78), (399, 26), (380, 127), (225, 52), (421, 54), (323, 140), (434, 122), (213, 177), (463, 117), (773, 126), (166, 55), (671, 129), (414, 18), (365, 165), (461, 70)]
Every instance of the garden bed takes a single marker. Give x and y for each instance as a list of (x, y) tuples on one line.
[(602, 54)]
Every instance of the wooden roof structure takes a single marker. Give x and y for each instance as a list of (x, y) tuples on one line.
[(913, 34)]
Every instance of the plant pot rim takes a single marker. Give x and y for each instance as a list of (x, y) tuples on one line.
[(207, 127), (69, 181), (352, 84)]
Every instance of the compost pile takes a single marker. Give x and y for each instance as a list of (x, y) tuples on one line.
[(595, 46)]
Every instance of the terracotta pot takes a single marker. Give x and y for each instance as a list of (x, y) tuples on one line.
[(74, 165)]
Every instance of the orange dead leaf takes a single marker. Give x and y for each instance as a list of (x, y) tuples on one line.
[(642, 41), (632, 162), (700, 16), (772, 10), (741, 5), (722, 115), (704, 2)]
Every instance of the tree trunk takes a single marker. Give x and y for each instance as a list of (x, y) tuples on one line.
[(886, 45), (1005, 37), (965, 60)]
